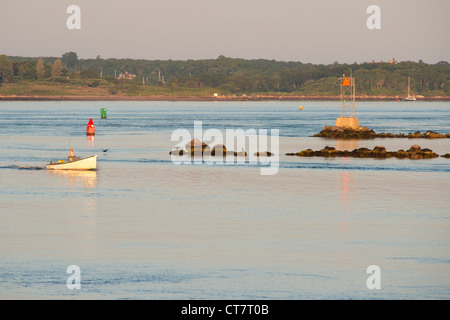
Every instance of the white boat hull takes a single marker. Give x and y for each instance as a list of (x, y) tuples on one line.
[(89, 163)]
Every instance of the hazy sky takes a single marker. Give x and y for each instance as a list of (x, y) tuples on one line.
[(315, 31)]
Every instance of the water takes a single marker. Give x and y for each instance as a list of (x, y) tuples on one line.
[(142, 227)]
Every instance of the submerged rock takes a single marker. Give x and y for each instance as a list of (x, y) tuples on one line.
[(221, 150), (263, 154), (241, 153), (177, 152)]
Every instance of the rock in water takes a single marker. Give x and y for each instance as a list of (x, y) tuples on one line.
[(263, 154), (379, 152), (415, 152), (196, 145), (219, 150), (414, 148), (366, 133), (177, 152)]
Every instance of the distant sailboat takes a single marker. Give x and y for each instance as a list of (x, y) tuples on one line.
[(409, 97)]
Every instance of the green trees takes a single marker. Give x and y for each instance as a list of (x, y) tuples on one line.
[(30, 70), (57, 68), (40, 69), (234, 76), (70, 60), (6, 69), (99, 62)]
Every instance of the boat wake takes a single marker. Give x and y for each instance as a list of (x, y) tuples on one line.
[(22, 167)]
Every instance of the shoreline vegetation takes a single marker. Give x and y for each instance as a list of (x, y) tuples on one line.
[(222, 79), (182, 98), (32, 97)]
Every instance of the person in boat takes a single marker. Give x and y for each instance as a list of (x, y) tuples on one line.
[(72, 156)]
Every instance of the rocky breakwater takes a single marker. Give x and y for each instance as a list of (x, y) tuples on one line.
[(198, 147), (366, 133), (415, 152)]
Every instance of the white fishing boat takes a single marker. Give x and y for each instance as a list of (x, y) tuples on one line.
[(89, 163), (410, 97)]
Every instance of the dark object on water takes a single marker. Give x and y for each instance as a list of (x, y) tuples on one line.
[(177, 152), (264, 154), (104, 150)]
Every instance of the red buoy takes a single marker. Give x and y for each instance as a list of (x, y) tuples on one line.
[(90, 129)]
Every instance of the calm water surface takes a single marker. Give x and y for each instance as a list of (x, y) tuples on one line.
[(142, 227)]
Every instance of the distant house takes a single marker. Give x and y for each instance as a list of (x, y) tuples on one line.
[(126, 75), (393, 61)]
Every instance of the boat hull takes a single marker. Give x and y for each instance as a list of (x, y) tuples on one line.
[(89, 163)]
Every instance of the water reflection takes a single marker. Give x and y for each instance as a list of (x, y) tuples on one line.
[(88, 178), (90, 140), (346, 184), (347, 144)]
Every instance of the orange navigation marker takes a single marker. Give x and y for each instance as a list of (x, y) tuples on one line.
[(90, 129), (346, 82)]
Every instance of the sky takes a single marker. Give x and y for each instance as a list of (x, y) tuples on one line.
[(314, 31)]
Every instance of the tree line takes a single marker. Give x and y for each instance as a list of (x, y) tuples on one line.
[(232, 75)]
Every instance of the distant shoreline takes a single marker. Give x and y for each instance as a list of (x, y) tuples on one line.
[(207, 98)]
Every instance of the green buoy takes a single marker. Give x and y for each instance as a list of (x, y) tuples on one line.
[(103, 113)]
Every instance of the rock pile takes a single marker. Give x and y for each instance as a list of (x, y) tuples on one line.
[(415, 152), (346, 133), (366, 133), (196, 146)]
